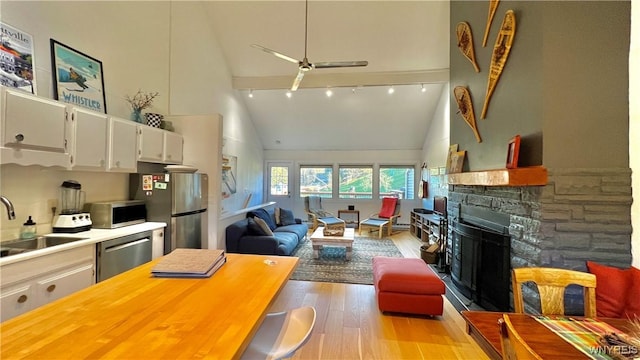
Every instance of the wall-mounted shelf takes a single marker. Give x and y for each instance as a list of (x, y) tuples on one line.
[(525, 176)]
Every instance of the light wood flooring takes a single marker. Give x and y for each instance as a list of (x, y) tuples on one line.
[(350, 326)]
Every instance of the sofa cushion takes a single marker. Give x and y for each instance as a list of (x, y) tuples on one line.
[(264, 215), (612, 286), (263, 225), (287, 241), (299, 229), (286, 217), (253, 228), (632, 308)]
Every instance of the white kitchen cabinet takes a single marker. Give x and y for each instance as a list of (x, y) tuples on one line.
[(157, 243), (90, 140), (33, 130), (16, 300), (172, 148), (32, 283), (65, 282), (150, 144), (123, 145), (159, 146)]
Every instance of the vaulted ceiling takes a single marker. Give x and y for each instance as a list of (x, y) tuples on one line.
[(405, 42)]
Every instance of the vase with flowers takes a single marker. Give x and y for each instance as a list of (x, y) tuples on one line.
[(139, 102)]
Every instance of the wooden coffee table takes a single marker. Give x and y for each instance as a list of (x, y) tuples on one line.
[(318, 240)]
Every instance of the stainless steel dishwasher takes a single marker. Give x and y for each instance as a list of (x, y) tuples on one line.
[(122, 254)]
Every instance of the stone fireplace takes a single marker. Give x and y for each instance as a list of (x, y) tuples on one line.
[(580, 215)]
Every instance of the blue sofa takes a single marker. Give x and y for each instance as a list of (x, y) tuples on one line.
[(240, 239)]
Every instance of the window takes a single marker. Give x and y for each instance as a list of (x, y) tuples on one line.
[(279, 180), (356, 182), (397, 181), (316, 180)]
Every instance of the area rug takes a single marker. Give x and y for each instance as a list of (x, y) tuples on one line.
[(332, 265)]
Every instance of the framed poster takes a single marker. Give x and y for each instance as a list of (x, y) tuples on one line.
[(229, 170), (452, 150), (513, 150), (457, 161), (77, 78), (16, 59)]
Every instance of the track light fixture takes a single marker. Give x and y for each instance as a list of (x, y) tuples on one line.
[(329, 92), (391, 90), (251, 93), (288, 93), (422, 88)]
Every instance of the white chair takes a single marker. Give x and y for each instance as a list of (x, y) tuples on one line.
[(282, 334)]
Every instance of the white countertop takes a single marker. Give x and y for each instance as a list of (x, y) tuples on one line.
[(93, 236)]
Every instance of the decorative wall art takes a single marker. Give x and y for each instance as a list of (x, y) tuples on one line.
[(465, 43), (229, 170), (513, 152), (500, 54), (493, 5), (457, 161), (77, 78), (16, 59), (465, 108), (452, 150)]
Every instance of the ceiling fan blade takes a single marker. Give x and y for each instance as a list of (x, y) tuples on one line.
[(337, 64), (297, 80), (272, 52)]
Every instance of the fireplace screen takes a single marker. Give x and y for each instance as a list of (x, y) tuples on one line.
[(480, 267)]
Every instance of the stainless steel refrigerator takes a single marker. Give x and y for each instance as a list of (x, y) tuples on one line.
[(179, 200)]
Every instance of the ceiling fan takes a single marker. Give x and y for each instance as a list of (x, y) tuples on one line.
[(304, 65)]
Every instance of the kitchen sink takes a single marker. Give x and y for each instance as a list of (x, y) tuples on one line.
[(19, 246)]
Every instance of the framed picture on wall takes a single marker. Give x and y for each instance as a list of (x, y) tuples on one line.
[(77, 78), (513, 151), (16, 59), (457, 161), (452, 150)]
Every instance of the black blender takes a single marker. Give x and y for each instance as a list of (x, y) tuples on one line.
[(71, 218)]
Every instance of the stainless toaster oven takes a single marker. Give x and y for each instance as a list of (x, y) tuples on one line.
[(115, 214)]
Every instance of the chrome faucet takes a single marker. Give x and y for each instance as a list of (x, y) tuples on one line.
[(10, 211)]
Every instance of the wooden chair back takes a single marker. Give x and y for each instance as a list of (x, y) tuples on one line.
[(513, 346), (551, 285)]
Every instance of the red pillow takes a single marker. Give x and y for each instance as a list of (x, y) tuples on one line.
[(388, 207), (612, 285), (632, 309)]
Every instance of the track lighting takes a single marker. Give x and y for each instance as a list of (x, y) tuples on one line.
[(391, 90), (251, 93), (329, 92), (422, 88), (288, 94)]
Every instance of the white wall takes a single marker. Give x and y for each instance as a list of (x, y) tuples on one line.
[(436, 146), (159, 46), (200, 84), (634, 127), (129, 52), (374, 158)]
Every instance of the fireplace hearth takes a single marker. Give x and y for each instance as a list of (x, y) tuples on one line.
[(580, 215)]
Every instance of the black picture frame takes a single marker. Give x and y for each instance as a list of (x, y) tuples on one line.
[(77, 78)]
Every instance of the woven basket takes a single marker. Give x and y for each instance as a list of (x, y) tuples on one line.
[(428, 257)]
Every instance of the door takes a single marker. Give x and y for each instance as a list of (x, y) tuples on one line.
[(280, 184), (189, 192), (188, 231)]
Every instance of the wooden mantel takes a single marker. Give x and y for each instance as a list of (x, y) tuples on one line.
[(526, 176)]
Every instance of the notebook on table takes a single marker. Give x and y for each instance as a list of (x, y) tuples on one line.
[(190, 263)]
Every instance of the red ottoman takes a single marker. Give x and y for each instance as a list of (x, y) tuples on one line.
[(407, 286)]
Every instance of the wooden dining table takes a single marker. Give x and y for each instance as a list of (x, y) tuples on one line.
[(136, 315), (483, 328)]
